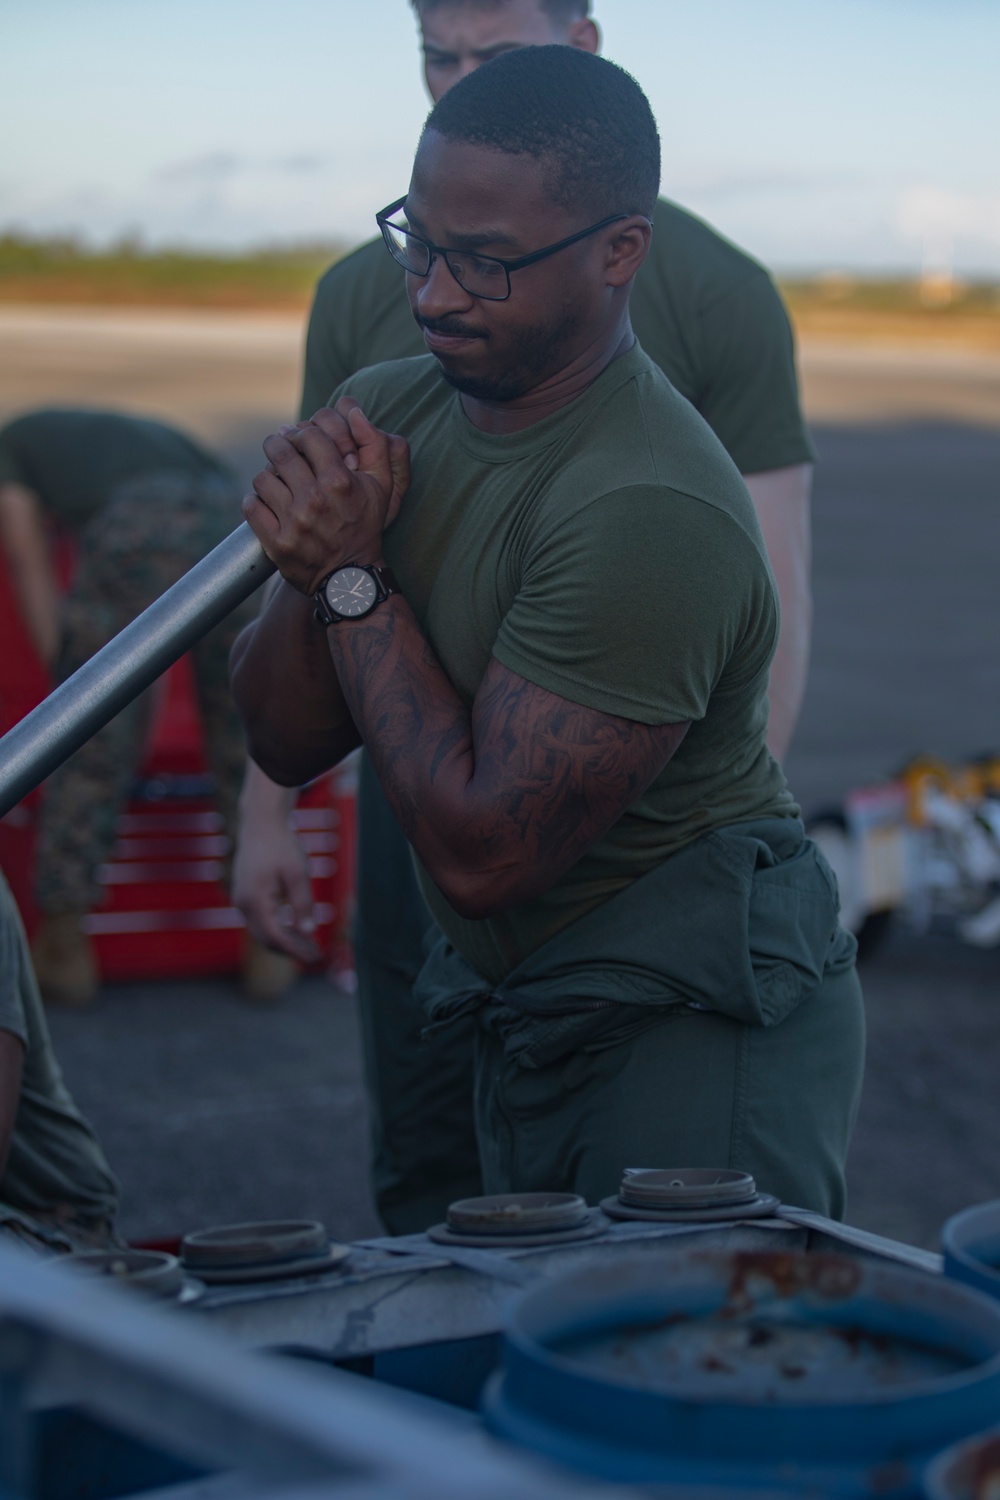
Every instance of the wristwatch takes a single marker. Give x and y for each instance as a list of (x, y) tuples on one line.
[(351, 592)]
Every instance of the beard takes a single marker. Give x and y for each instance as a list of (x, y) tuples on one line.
[(535, 354)]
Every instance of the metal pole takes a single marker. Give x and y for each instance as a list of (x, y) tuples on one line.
[(120, 671)]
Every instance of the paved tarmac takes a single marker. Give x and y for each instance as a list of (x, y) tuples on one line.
[(212, 1110)]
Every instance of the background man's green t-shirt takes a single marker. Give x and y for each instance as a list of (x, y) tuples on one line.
[(704, 311), (611, 554), (73, 460)]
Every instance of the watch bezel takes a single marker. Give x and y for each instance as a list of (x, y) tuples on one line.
[(382, 579)]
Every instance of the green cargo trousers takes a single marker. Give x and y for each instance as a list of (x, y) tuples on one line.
[(688, 1087), (420, 1089), (679, 1088)]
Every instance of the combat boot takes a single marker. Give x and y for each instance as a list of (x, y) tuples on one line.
[(64, 960), (267, 975)]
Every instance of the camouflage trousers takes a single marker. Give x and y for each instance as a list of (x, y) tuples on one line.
[(151, 531)]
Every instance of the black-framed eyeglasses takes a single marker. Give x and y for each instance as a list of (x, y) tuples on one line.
[(485, 276)]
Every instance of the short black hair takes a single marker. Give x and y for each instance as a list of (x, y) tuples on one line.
[(585, 116), (559, 10)]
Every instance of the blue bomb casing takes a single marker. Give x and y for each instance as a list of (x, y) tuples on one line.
[(770, 1372), (971, 1244)]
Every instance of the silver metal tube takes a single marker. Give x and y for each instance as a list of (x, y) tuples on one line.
[(120, 671)]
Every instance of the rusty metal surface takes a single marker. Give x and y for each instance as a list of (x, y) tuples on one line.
[(410, 1292), (685, 1187), (774, 1335), (517, 1213), (149, 1271), (816, 1374), (256, 1244), (404, 1292), (761, 1206)]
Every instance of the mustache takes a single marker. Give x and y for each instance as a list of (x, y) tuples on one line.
[(451, 328)]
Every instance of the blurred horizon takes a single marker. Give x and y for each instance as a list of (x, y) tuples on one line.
[(848, 135), (132, 244)]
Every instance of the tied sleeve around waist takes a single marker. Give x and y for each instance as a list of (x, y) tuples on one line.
[(743, 921)]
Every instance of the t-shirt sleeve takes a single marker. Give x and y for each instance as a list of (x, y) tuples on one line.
[(751, 399), (13, 957), (327, 362), (639, 605), (11, 471)]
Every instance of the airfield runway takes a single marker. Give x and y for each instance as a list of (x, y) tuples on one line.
[(213, 1111)]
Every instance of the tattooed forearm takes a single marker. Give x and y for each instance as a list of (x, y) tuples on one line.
[(499, 802), (285, 686)]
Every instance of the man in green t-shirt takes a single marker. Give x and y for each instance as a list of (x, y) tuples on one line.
[(554, 641), (713, 321), (703, 310), (144, 504)]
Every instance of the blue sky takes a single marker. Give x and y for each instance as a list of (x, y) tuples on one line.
[(820, 134)]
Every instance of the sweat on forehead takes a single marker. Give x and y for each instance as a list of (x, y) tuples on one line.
[(584, 118)]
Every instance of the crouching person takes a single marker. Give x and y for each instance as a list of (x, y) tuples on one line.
[(57, 1192)]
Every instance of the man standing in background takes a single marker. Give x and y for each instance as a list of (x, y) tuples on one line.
[(711, 318)]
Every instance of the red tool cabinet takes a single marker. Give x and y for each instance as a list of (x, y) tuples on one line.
[(166, 911)]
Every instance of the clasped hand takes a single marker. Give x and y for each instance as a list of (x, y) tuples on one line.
[(331, 487)]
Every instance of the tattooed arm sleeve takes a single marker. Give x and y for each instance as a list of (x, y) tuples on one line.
[(498, 804), (285, 686)]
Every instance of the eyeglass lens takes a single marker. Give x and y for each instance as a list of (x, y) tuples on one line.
[(478, 274), (408, 250)]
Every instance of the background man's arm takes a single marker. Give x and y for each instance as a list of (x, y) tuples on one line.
[(781, 498), (270, 883), (24, 539), (11, 1066), (751, 401), (327, 362)]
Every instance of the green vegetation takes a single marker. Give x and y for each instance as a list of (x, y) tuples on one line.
[(37, 270), (907, 297), (33, 270), (936, 308)]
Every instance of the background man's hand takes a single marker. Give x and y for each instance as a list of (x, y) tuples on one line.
[(331, 487), (270, 879)]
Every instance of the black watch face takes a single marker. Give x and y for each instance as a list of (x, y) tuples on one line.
[(351, 592)]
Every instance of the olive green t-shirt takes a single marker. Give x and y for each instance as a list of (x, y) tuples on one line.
[(704, 311), (610, 553), (73, 460), (55, 1162)]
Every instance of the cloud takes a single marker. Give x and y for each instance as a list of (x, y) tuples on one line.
[(948, 222), (209, 170), (304, 165), (720, 185), (217, 169), (929, 212)]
